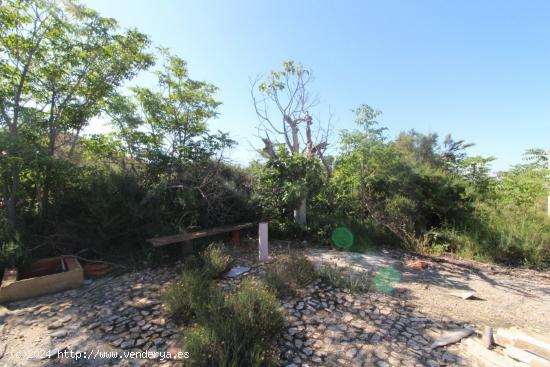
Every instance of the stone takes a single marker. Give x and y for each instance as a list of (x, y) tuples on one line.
[(237, 271), (55, 325), (66, 319), (127, 344), (59, 334), (140, 342), (351, 353)]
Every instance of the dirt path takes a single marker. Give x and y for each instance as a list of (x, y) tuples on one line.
[(507, 297)]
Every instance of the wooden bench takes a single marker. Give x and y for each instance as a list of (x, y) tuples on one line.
[(185, 237)]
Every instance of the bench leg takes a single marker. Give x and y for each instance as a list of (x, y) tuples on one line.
[(235, 238)]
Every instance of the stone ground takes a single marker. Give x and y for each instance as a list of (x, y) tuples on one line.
[(506, 296), (113, 314), (327, 326)]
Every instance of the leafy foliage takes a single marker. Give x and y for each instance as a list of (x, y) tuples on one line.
[(283, 181), (437, 197), (11, 254), (161, 171)]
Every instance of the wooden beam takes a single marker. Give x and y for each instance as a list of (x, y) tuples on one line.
[(487, 358), (526, 340), (182, 237)]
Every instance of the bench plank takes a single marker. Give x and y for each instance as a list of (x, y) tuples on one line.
[(182, 237)]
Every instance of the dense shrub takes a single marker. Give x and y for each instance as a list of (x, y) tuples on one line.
[(202, 346), (215, 260), (238, 330), (187, 297), (501, 234), (11, 254), (287, 275)]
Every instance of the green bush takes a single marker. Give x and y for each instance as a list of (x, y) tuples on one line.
[(193, 292), (215, 260), (202, 346), (238, 330), (342, 278), (287, 275), (11, 254), (501, 234), (185, 299)]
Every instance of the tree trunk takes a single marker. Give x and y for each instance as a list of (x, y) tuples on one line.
[(45, 200), (12, 199), (300, 214)]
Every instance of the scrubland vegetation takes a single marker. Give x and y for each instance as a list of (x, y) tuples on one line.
[(238, 329), (162, 170)]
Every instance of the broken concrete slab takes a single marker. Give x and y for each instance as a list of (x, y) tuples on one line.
[(59, 334), (466, 295), (237, 271)]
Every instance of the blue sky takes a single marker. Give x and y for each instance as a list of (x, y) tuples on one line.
[(479, 70)]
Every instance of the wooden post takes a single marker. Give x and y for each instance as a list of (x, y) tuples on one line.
[(487, 338), (235, 238), (262, 241)]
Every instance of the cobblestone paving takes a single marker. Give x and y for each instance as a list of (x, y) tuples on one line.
[(327, 327), (112, 314)]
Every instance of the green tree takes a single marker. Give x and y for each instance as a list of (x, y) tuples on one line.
[(59, 65), (525, 184), (164, 130), (283, 104), (284, 180), (404, 186)]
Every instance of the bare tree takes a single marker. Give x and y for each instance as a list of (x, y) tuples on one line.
[(283, 103)]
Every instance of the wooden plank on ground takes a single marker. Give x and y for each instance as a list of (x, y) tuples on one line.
[(182, 237), (531, 342), (526, 357), (484, 357)]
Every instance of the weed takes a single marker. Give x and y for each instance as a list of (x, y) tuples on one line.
[(339, 277), (215, 260), (290, 274)]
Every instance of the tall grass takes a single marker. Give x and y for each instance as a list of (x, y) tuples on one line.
[(518, 236)]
